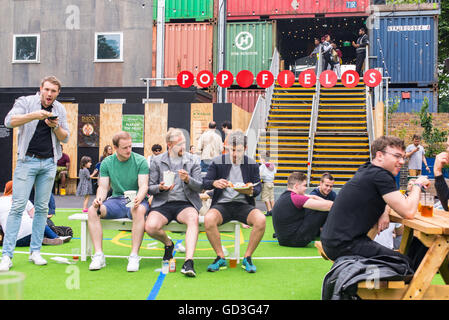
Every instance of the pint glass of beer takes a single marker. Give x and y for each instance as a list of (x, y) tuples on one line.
[(426, 202)]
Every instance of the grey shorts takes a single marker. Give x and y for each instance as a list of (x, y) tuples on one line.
[(116, 208)]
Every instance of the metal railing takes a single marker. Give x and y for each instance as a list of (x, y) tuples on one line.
[(369, 107), (261, 111), (314, 115)]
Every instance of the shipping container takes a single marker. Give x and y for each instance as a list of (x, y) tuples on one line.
[(286, 9), (249, 46), (188, 46), (406, 47), (199, 10), (412, 99), (244, 98)]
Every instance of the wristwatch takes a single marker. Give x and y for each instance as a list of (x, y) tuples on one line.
[(57, 126)]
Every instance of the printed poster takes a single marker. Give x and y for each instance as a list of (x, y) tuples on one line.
[(88, 130), (134, 124)]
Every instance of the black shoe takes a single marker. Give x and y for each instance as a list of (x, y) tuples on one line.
[(187, 268), (268, 214), (274, 235), (168, 254)]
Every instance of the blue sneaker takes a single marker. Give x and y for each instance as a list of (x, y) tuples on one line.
[(247, 264), (218, 264)]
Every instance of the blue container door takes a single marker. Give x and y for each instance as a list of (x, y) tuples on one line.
[(412, 99), (406, 46)]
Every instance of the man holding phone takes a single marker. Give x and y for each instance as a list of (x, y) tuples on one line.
[(43, 126)]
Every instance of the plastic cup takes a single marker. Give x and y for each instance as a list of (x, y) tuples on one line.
[(169, 178), (426, 201), (165, 266), (11, 285), (232, 262), (130, 195)]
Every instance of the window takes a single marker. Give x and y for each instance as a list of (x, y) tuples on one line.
[(26, 48), (109, 47)]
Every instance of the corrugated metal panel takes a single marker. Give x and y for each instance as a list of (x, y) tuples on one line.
[(188, 46), (253, 9), (200, 10), (415, 102), (407, 48), (244, 98), (249, 46)]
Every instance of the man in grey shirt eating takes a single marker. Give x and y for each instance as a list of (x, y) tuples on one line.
[(178, 201)]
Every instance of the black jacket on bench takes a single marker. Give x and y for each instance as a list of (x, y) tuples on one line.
[(340, 283)]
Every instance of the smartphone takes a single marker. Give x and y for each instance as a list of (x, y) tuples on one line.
[(53, 117)]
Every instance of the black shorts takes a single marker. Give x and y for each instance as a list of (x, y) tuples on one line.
[(170, 210), (234, 211)]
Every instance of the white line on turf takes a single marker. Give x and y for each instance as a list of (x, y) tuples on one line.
[(196, 258)]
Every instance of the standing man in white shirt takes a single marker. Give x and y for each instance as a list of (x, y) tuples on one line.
[(416, 155), (210, 145)]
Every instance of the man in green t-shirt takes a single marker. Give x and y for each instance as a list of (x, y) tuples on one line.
[(123, 171)]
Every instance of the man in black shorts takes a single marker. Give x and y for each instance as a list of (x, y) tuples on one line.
[(178, 201), (229, 204), (361, 203)]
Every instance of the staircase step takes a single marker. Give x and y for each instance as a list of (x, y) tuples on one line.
[(315, 149), (280, 121)]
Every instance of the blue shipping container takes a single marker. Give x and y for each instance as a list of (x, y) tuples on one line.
[(407, 47), (411, 99)]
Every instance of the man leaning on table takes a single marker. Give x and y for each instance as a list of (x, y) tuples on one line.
[(361, 203)]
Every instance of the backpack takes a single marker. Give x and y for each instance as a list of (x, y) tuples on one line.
[(61, 231)]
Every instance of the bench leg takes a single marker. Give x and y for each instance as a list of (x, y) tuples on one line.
[(84, 236), (237, 242)]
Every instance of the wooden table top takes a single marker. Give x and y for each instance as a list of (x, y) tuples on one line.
[(438, 224)]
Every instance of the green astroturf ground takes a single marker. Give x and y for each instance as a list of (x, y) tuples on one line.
[(282, 273)]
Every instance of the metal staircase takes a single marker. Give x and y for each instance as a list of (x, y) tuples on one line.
[(313, 130), (287, 130), (341, 141)]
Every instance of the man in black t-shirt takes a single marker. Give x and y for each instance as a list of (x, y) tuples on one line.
[(361, 203), (42, 124), (297, 217)]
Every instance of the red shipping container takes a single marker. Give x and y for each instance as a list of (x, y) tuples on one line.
[(244, 98), (188, 46), (288, 9)]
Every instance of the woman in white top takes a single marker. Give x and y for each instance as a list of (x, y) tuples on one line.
[(24, 235)]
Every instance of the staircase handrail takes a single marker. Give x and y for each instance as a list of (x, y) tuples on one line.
[(314, 114), (261, 111), (369, 107)]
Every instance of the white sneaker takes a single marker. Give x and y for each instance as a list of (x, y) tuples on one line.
[(180, 248), (98, 262), (65, 239), (37, 259), (133, 263), (6, 264)]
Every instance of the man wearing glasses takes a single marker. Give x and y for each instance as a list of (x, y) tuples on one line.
[(361, 203)]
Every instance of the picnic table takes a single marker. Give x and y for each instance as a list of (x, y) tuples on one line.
[(433, 232)]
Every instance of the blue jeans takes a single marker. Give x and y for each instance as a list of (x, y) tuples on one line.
[(29, 171)]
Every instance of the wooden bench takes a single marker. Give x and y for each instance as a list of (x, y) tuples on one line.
[(126, 225), (365, 287)]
